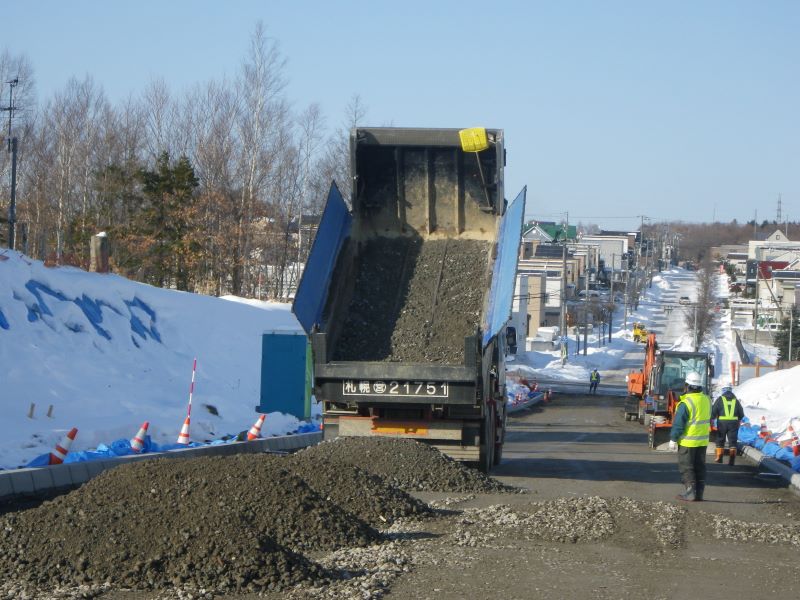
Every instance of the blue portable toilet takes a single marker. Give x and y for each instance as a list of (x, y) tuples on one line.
[(285, 374)]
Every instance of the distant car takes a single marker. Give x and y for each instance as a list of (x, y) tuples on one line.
[(684, 300), (773, 327)]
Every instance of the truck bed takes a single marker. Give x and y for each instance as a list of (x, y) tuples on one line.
[(414, 300)]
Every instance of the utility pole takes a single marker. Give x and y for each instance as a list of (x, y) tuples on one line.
[(755, 334), (12, 148), (695, 327), (791, 323), (564, 304), (586, 314), (625, 312)]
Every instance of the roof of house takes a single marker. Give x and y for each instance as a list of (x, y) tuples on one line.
[(556, 231), (549, 251)]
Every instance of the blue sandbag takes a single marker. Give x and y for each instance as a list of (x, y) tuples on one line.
[(40, 461), (795, 462), (307, 428), (122, 447), (784, 453), (770, 449), (758, 443), (747, 435)]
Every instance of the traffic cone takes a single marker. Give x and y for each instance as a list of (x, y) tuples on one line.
[(764, 433), (183, 436), (137, 443), (795, 442), (58, 455), (255, 430)]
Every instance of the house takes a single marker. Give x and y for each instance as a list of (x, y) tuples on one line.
[(528, 310), (773, 247), (532, 236), (612, 250)]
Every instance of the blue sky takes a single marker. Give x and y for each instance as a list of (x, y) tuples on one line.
[(675, 110)]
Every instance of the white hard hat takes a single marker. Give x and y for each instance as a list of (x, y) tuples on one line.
[(693, 379)]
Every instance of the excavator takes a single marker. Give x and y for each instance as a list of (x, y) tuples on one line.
[(654, 391)]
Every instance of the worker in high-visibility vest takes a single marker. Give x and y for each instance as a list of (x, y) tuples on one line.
[(689, 436), (594, 380), (728, 412)]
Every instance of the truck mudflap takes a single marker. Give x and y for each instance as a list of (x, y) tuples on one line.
[(455, 438)]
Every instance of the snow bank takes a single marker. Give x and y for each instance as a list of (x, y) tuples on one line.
[(109, 353)]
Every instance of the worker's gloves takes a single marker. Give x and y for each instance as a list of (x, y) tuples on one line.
[(673, 446)]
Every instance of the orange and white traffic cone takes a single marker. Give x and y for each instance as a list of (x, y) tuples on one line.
[(58, 455), (255, 430), (183, 436), (764, 433), (795, 442), (137, 443)]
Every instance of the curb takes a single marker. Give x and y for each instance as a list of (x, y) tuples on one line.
[(24, 483), (791, 476)]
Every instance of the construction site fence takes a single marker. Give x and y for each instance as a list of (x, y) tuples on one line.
[(746, 372)]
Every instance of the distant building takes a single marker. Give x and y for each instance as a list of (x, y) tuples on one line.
[(773, 247)]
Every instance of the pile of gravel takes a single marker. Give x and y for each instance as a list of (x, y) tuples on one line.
[(406, 464), (665, 521), (232, 524), (764, 533), (414, 300), (562, 520), (366, 496)]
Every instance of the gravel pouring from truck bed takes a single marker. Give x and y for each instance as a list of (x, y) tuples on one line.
[(407, 464), (415, 301)]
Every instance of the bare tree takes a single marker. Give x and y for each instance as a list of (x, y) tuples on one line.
[(700, 317), (159, 114), (261, 122)]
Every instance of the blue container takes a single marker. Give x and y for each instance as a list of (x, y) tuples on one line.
[(284, 374)]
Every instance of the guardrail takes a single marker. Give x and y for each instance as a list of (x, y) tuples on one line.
[(580, 387), (19, 483)]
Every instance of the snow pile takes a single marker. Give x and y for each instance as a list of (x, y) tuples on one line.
[(773, 396), (108, 353)]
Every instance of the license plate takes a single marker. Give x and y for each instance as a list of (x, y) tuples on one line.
[(399, 389)]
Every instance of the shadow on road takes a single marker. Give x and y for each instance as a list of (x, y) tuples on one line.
[(588, 469)]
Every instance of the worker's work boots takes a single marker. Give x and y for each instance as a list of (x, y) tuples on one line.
[(698, 491), (718, 456), (688, 495), (731, 456)]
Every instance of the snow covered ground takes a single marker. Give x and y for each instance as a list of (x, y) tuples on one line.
[(108, 353), (773, 396), (614, 360)]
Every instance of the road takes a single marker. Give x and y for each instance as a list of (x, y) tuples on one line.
[(580, 447)]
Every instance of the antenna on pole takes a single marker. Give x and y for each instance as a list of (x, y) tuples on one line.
[(12, 149), (778, 218), (10, 108)]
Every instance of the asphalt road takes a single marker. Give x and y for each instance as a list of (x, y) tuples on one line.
[(579, 447), (583, 445)]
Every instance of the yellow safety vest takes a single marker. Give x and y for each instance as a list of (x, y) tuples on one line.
[(699, 424), (728, 405)]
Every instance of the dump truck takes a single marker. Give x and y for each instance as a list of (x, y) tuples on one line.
[(655, 390), (407, 291)]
